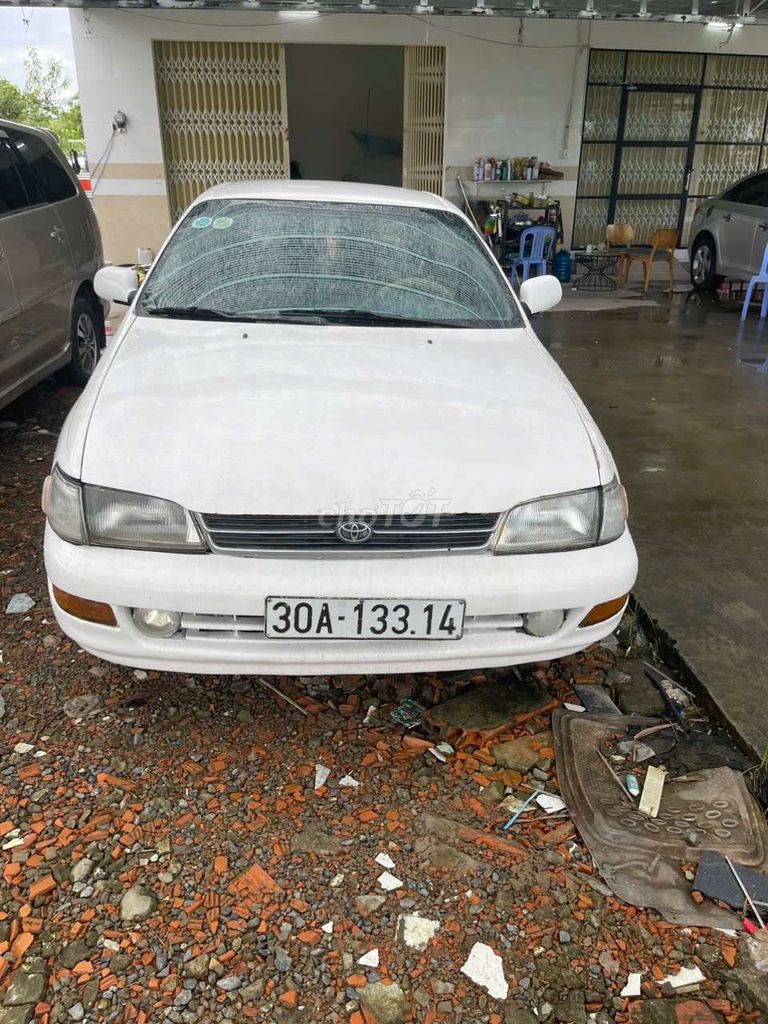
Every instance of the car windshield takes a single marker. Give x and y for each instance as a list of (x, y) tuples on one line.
[(322, 262)]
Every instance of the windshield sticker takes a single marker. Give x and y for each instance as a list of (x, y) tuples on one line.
[(202, 222), (223, 222)]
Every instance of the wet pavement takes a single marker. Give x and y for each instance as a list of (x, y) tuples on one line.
[(681, 394)]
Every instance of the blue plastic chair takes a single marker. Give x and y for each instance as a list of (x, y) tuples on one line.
[(761, 278), (540, 241)]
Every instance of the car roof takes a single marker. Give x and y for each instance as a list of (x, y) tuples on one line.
[(43, 133), (327, 192)]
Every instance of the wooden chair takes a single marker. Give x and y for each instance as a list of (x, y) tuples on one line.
[(620, 235), (665, 240)]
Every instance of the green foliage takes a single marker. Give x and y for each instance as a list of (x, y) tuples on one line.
[(43, 102)]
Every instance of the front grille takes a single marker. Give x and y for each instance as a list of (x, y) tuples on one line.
[(198, 626), (246, 534)]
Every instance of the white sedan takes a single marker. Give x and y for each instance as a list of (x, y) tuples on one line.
[(326, 439)]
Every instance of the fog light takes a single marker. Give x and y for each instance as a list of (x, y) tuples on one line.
[(82, 608), (156, 622), (603, 612), (543, 623)]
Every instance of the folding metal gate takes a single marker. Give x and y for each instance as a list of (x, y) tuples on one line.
[(223, 114), (424, 118)]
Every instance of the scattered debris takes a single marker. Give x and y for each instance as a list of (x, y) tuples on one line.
[(321, 775), (388, 881), (384, 860), (415, 931), (653, 790), (687, 979), (632, 988), (632, 785), (81, 706), (712, 809), (595, 699), (327, 928), (551, 804), (409, 713), (19, 604), (486, 969), (370, 959), (348, 782), (715, 879)]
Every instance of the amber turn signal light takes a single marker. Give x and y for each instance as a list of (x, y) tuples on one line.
[(604, 611), (82, 608)]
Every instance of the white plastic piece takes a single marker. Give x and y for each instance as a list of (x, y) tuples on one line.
[(321, 775), (349, 781), (389, 882), (632, 989), (370, 959), (327, 928), (385, 860), (486, 969), (686, 977), (551, 804)]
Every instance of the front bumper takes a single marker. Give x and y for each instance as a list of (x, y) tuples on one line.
[(222, 597)]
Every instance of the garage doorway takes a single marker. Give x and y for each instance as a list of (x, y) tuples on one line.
[(238, 111), (345, 112)]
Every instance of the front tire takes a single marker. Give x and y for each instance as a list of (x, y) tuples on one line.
[(86, 340), (704, 276)]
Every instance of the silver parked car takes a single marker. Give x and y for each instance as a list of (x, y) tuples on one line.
[(50, 249), (729, 233)]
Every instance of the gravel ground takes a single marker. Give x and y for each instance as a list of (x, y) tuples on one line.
[(166, 854)]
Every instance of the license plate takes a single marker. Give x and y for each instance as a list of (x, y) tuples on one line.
[(354, 618)]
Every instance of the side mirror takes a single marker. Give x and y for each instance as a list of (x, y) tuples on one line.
[(540, 293), (116, 284)]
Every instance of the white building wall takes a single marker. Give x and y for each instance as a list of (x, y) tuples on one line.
[(514, 87)]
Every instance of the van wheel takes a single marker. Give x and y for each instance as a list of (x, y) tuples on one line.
[(86, 340), (704, 265)]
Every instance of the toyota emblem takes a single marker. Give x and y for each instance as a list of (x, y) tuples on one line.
[(354, 531)]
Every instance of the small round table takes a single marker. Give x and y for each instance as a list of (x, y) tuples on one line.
[(596, 267)]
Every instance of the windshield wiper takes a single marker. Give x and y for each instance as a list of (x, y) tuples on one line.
[(367, 316), (204, 313)]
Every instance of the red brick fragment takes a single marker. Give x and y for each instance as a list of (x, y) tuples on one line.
[(41, 887)]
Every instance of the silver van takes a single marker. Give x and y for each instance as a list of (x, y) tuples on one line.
[(729, 234), (50, 249)]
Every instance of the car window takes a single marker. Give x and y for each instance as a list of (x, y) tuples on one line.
[(752, 192), (51, 182), (12, 193), (249, 257)]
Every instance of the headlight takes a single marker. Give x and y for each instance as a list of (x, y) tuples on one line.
[(579, 519), (62, 503), (120, 519), (83, 514)]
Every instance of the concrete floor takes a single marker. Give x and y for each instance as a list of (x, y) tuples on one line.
[(681, 393)]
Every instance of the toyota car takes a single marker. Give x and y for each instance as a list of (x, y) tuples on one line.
[(326, 439)]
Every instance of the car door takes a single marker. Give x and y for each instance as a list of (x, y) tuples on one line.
[(737, 227), (13, 205), (42, 269)]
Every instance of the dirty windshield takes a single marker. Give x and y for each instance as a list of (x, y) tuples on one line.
[(317, 262)]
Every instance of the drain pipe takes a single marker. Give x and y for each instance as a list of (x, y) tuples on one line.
[(582, 49)]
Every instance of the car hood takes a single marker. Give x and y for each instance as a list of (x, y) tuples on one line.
[(296, 419)]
